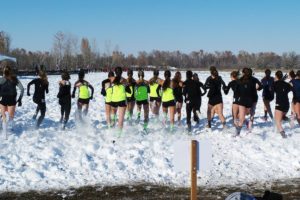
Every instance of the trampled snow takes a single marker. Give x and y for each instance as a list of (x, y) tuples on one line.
[(85, 153)]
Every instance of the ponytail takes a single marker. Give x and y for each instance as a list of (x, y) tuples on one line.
[(8, 72), (167, 81)]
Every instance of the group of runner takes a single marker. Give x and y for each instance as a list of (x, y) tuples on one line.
[(170, 93), (121, 94)]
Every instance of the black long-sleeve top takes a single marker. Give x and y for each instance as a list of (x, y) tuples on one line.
[(64, 93), (40, 88), (282, 90), (192, 90), (233, 86), (214, 85)]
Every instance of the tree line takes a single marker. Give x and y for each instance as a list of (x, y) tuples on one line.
[(71, 53)]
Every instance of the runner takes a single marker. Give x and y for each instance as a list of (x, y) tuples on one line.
[(107, 93), (281, 89), (214, 83), (177, 83), (192, 95), (8, 93), (64, 96), (295, 83), (141, 95), (130, 95), (233, 85), (118, 98), (258, 87), (246, 95), (84, 95), (267, 93), (41, 85), (155, 93), (168, 99)]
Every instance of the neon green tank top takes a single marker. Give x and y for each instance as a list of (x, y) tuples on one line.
[(84, 92), (167, 95), (131, 93), (153, 89), (118, 93), (108, 95), (141, 93)]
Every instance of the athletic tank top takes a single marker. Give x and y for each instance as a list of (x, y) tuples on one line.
[(141, 93), (84, 92), (167, 95), (118, 93), (108, 96), (153, 89)]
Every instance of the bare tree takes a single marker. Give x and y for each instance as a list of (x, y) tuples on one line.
[(58, 47), (5, 41), (86, 51)]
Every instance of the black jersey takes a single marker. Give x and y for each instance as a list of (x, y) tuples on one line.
[(268, 88), (40, 88), (233, 86), (282, 89), (254, 94), (192, 90), (64, 93), (244, 92), (214, 85), (177, 91)]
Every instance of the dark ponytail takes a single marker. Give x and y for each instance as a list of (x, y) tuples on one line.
[(246, 75), (8, 71), (279, 75), (167, 81), (292, 74), (118, 72), (155, 77)]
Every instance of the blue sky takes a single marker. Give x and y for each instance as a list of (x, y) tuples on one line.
[(135, 25)]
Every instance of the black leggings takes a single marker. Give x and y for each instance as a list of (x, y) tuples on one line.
[(192, 107), (65, 110), (41, 107)]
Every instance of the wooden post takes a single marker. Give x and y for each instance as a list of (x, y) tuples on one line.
[(194, 144)]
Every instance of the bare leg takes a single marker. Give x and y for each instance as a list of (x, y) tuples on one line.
[(178, 111), (114, 115), (297, 111), (172, 116), (11, 112), (209, 115), (85, 109), (267, 109), (107, 114), (219, 111), (235, 112), (121, 115), (146, 115)]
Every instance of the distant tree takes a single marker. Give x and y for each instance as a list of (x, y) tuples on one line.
[(5, 41), (290, 60), (86, 51), (58, 47)]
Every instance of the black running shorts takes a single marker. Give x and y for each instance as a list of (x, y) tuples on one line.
[(168, 104), (130, 99), (215, 100), (84, 101), (158, 99), (282, 108), (8, 100), (145, 102), (118, 104)]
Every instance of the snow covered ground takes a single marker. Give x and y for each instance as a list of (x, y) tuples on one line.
[(84, 154)]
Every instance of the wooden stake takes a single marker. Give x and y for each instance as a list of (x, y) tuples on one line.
[(194, 145)]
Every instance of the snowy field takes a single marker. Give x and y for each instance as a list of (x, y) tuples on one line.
[(84, 154)]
